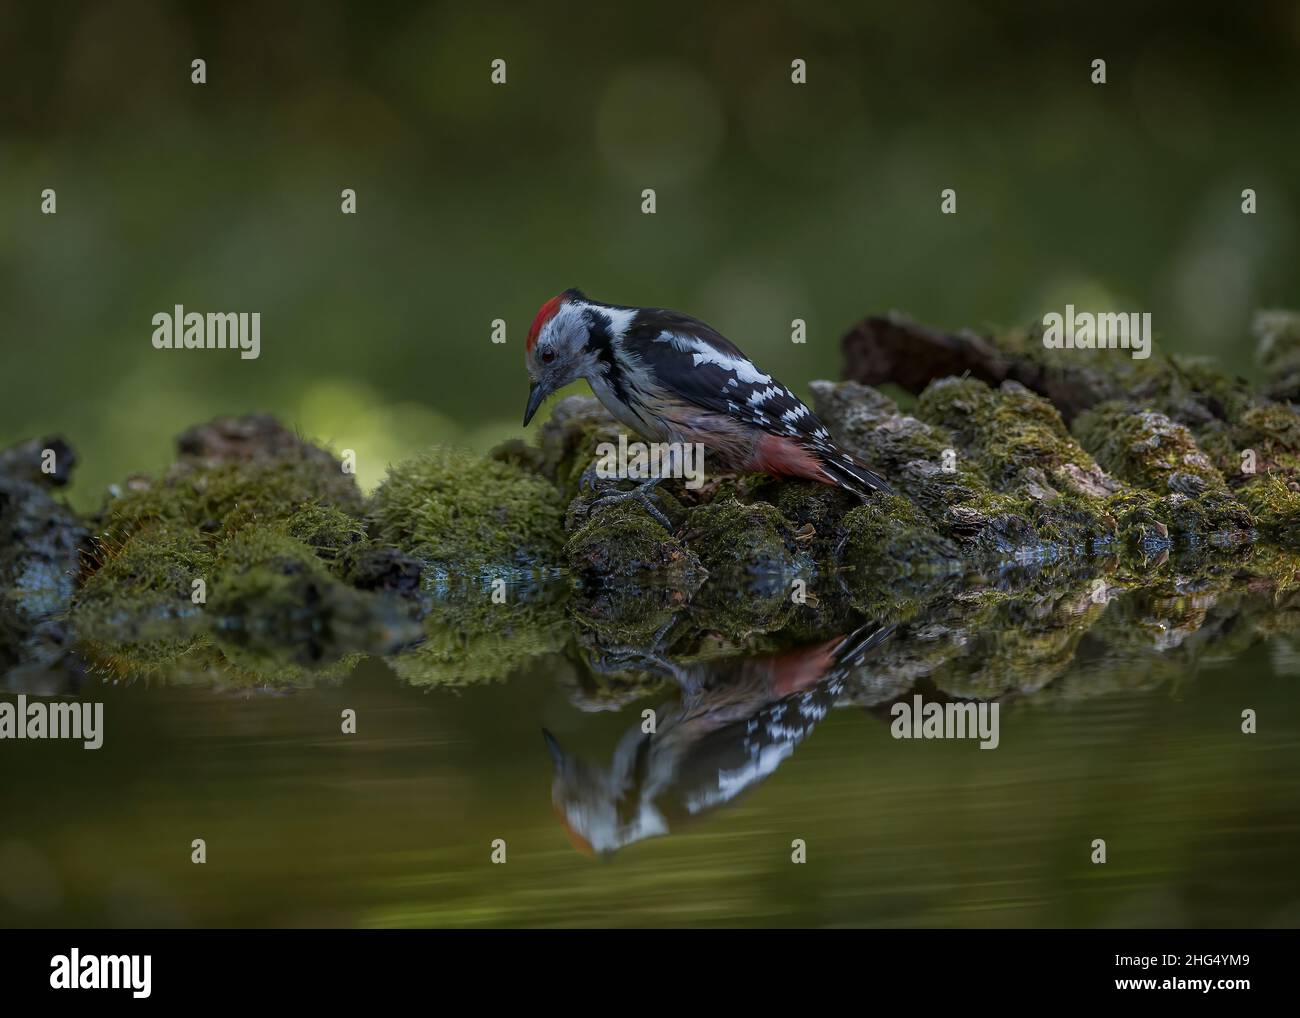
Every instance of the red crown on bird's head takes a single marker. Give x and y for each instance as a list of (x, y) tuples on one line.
[(548, 311)]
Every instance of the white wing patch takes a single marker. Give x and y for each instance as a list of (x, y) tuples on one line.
[(763, 395), (702, 353)]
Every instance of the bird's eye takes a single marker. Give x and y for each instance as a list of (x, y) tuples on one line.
[(548, 355)]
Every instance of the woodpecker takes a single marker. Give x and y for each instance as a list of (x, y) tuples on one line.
[(733, 724), (671, 378)]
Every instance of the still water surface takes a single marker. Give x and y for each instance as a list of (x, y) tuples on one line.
[(394, 826)]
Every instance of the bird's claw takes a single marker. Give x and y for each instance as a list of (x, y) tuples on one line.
[(641, 496), (590, 480)]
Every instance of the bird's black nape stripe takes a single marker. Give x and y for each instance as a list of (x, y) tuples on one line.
[(600, 342)]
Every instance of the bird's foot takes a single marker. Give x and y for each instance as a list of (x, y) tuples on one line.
[(650, 656), (592, 481), (642, 496)]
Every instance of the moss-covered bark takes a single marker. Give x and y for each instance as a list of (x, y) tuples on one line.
[(251, 554), (1006, 520), (40, 544), (468, 517), (1278, 335)]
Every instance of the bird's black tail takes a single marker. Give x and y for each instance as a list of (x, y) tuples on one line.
[(855, 647), (852, 475)]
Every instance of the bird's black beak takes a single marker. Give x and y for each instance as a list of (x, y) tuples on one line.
[(553, 746), (536, 394)]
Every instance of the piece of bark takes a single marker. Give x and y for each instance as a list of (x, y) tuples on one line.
[(893, 348)]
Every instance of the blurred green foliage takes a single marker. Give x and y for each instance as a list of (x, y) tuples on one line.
[(478, 202)]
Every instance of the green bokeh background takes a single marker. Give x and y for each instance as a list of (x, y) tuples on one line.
[(478, 202)]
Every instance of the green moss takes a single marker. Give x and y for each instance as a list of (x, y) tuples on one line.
[(1058, 495), (1147, 449), (296, 580), (889, 535), (1140, 517), (1191, 391), (1072, 521), (757, 569), (1274, 571), (1272, 432), (332, 535), (260, 529), (1195, 395), (1006, 525), (272, 599), (1011, 431), (993, 469), (468, 516), (580, 509), (889, 558), (221, 499), (262, 549), (475, 640), (135, 614), (1275, 506), (1145, 519), (811, 512), (274, 604), (920, 459), (737, 539), (624, 542), (272, 609)]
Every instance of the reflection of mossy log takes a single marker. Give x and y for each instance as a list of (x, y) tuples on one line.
[(476, 639)]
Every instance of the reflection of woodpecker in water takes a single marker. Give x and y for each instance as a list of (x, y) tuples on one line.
[(733, 725)]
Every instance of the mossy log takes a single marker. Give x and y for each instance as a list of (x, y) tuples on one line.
[(257, 557)]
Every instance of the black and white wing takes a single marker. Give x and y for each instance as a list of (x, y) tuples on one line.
[(695, 362)]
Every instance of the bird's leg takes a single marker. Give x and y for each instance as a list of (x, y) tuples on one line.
[(640, 495), (590, 480), (650, 656)]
